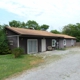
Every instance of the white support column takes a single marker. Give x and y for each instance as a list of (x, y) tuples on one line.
[(17, 41)]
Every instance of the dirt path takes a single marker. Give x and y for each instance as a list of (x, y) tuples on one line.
[(67, 68)]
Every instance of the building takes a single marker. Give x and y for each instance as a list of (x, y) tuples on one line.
[(34, 41)]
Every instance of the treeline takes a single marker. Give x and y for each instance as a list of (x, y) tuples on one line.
[(29, 24), (72, 30)]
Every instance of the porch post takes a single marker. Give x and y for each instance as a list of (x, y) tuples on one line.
[(17, 41)]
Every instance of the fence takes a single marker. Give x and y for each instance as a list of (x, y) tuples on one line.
[(77, 43)]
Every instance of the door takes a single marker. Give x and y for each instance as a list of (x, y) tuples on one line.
[(43, 43), (32, 46)]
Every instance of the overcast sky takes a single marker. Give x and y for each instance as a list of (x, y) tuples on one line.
[(55, 13)]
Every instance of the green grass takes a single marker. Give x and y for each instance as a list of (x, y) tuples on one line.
[(10, 65), (61, 49)]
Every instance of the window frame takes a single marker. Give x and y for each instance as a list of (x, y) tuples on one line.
[(11, 42), (64, 42), (53, 44)]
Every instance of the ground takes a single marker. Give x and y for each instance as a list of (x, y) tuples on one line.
[(66, 67)]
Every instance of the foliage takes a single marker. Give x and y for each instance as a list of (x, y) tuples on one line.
[(32, 24), (60, 48), (3, 26), (55, 31), (23, 25), (29, 24), (72, 30), (15, 23), (68, 29), (10, 66), (17, 52), (19, 24), (4, 48), (44, 27)]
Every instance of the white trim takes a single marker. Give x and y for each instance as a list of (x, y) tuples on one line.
[(17, 41), (11, 42), (28, 45), (13, 35), (43, 45), (53, 44)]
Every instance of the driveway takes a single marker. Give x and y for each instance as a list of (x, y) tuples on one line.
[(66, 68)]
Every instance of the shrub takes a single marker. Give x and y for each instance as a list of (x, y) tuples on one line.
[(4, 48), (17, 52)]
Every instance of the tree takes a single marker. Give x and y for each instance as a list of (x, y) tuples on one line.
[(44, 27), (32, 24), (15, 23), (19, 24), (3, 26), (4, 48), (29, 24), (72, 30), (68, 29), (23, 25), (0, 27), (55, 31)]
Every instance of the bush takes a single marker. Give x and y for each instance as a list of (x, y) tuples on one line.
[(17, 52)]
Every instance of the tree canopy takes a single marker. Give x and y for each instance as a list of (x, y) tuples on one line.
[(55, 31), (72, 30), (32, 24), (44, 27), (29, 24), (19, 24)]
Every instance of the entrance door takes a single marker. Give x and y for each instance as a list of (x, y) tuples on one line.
[(32, 46), (43, 43)]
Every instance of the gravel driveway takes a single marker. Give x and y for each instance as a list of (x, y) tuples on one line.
[(66, 68)]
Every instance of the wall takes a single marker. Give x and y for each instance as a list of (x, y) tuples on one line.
[(9, 32), (12, 42), (11, 38), (23, 43), (49, 43), (39, 45), (68, 43), (74, 42), (61, 43)]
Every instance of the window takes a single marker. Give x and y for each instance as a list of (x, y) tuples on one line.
[(53, 42), (64, 42), (32, 46), (11, 42)]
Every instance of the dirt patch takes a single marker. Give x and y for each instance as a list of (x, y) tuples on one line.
[(36, 62)]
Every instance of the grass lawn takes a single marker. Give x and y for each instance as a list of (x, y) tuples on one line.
[(10, 65)]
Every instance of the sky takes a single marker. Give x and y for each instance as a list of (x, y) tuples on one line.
[(55, 13)]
